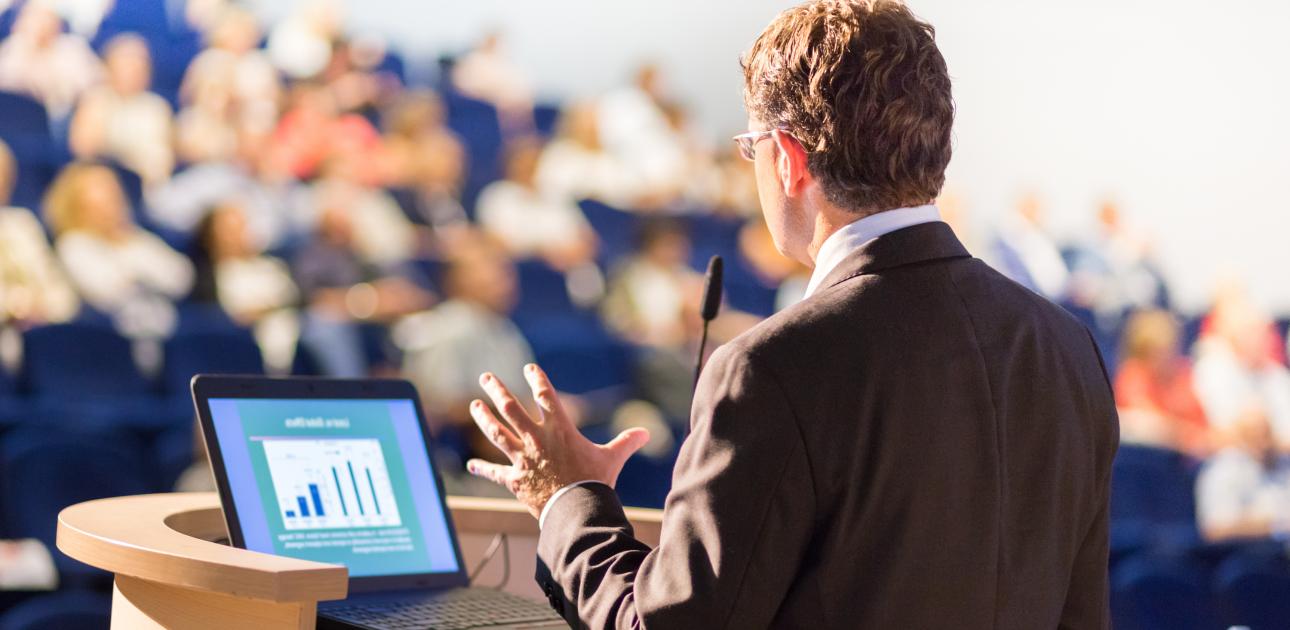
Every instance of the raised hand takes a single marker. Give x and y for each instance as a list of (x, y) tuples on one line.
[(547, 452)]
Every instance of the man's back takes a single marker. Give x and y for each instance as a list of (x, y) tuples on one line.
[(921, 444), (959, 431)]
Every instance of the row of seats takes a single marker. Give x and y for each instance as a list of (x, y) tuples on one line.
[(1249, 588)]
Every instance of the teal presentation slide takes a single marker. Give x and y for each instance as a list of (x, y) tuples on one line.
[(334, 484)]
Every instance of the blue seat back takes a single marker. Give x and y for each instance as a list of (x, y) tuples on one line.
[(79, 361), (209, 352), (1153, 485), (70, 610), (1161, 594), (43, 471), (479, 128), (616, 228), (1254, 591), (542, 289)]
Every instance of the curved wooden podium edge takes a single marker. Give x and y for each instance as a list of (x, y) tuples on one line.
[(167, 539), (481, 515)]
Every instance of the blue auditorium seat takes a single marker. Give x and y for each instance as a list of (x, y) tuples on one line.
[(230, 351), (577, 352), (479, 128), (1153, 500), (645, 480), (68, 610), (1150, 593), (13, 406), (43, 471), (171, 454), (85, 375), (1254, 590), (545, 118), (542, 289), (616, 228), (25, 128)]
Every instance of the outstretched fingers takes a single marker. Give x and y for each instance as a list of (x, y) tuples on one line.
[(548, 401), (501, 475), (507, 404), (496, 431)]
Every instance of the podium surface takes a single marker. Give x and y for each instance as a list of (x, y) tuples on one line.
[(170, 571)]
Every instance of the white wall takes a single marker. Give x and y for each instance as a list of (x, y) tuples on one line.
[(1180, 109)]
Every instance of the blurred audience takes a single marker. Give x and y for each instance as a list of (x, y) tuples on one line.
[(33, 288), (40, 60), (117, 267), (530, 223), (1243, 492), (121, 119), (575, 166), (1113, 272), (425, 160), (1238, 376), (1024, 251), (255, 290), (636, 128), (301, 44), (486, 73), (1153, 388), (313, 130), (232, 73)]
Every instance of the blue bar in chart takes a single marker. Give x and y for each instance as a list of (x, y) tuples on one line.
[(291, 513), (339, 493), (375, 502), (304, 506), (313, 491), (354, 480)]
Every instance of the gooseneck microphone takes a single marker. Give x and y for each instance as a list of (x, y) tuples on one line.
[(711, 304)]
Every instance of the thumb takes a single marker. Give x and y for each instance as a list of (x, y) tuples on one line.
[(628, 442)]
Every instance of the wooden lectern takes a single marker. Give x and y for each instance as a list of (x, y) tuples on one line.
[(170, 572)]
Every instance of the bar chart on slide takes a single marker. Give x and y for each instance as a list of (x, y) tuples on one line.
[(331, 483)]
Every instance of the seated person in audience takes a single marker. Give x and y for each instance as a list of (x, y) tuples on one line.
[(1243, 491), (254, 289), (314, 131), (276, 205), (636, 125), (33, 288), (234, 69), (575, 166), (1114, 271), (121, 119), (485, 73), (1237, 373), (39, 60), (529, 223), (773, 268), (353, 79), (117, 267), (426, 159), (1024, 251), (342, 289), (300, 45), (383, 235), (1153, 388), (653, 301)]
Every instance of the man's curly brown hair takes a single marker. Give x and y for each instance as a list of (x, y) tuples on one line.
[(861, 85)]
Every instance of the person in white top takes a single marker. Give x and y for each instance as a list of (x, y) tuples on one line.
[(116, 266), (575, 166), (529, 223), (39, 60), (1026, 253), (33, 288), (487, 74), (1236, 376), (234, 70), (121, 119), (635, 128), (1243, 491)]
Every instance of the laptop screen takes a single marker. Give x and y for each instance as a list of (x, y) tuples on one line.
[(340, 481)]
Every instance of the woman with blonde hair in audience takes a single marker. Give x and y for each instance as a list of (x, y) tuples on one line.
[(40, 60), (118, 267), (1153, 388)]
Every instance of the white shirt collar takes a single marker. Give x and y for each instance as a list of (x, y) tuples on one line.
[(842, 243)]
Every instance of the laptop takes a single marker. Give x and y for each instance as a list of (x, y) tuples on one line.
[(340, 471)]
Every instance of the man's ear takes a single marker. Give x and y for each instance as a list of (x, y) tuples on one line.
[(790, 163)]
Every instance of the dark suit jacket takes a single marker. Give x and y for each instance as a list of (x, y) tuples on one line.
[(921, 444)]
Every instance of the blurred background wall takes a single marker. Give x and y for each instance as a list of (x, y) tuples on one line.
[(1075, 102)]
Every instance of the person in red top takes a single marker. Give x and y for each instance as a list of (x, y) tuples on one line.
[(1153, 388)]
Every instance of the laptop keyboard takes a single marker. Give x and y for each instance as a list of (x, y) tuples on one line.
[(451, 610)]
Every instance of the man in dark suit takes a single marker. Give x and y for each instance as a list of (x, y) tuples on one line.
[(920, 443)]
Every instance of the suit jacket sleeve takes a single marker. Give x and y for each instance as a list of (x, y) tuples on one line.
[(735, 527)]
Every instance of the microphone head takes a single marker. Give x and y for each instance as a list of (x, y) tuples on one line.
[(712, 289)]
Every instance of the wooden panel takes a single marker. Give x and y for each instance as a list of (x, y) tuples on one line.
[(137, 536), (143, 605)]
